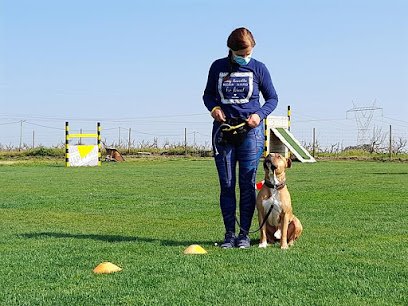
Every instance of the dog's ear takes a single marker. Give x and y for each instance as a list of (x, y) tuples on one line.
[(289, 163)]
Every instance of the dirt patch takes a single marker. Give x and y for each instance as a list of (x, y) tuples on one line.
[(363, 158), (7, 162)]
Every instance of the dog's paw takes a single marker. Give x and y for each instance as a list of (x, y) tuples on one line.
[(263, 245), (284, 247)]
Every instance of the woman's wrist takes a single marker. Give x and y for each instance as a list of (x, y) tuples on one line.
[(215, 108)]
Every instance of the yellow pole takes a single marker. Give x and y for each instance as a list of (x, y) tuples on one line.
[(266, 136), (99, 143), (289, 117), (66, 144)]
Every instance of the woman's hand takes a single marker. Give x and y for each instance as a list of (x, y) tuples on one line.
[(218, 115), (253, 120)]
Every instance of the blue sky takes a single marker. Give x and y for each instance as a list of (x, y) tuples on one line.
[(134, 63)]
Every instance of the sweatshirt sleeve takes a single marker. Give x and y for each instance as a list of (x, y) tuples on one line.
[(210, 92), (268, 93)]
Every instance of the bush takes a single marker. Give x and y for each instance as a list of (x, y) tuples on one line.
[(41, 151)]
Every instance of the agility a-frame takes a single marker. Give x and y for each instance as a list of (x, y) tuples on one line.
[(82, 155), (278, 139)]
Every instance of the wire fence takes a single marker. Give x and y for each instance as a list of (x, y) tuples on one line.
[(332, 135)]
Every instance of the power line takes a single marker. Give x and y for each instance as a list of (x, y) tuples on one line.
[(319, 120), (390, 123), (10, 122), (116, 120), (406, 122), (48, 127)]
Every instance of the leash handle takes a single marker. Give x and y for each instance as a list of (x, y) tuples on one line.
[(231, 128)]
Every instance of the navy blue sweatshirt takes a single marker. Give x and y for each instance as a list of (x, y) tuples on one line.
[(238, 97)]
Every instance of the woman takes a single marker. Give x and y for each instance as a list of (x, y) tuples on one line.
[(232, 97)]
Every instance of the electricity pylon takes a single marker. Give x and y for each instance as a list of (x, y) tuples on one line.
[(363, 116)]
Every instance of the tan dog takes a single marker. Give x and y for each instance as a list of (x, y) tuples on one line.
[(275, 193)]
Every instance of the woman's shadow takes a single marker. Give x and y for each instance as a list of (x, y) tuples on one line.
[(112, 238)]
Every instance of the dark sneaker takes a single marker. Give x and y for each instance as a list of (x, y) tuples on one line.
[(229, 241), (243, 241)]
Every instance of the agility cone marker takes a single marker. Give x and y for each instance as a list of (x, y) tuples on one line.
[(194, 249), (259, 185), (106, 267)]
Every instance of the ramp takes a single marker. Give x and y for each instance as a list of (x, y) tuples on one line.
[(293, 145)]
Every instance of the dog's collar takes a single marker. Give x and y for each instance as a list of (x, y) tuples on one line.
[(279, 186)]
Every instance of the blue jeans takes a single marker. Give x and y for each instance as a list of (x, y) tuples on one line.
[(247, 155)]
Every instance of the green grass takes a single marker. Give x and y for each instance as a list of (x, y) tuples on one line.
[(57, 224)]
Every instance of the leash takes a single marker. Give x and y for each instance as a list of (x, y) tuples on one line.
[(262, 224), (271, 185), (226, 128), (231, 128)]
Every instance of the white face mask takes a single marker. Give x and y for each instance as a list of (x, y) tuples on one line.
[(242, 60)]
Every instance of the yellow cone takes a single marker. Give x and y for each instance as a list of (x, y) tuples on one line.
[(195, 249), (106, 267)]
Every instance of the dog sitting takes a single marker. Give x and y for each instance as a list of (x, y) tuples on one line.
[(274, 193)]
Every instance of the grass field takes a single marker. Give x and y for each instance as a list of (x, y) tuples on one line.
[(57, 224)]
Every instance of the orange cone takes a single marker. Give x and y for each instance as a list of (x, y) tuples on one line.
[(106, 267), (194, 249)]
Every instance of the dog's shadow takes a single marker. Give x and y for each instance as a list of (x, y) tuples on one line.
[(112, 238)]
